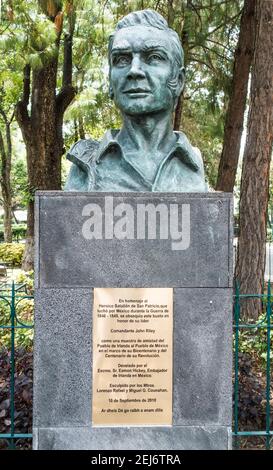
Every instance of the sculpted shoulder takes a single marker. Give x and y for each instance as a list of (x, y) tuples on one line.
[(185, 173), (81, 154), (190, 155)]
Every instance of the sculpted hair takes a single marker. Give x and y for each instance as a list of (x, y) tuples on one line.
[(153, 19)]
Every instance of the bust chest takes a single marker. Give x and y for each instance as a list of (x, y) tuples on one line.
[(115, 173)]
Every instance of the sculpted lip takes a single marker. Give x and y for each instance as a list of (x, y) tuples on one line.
[(137, 90)]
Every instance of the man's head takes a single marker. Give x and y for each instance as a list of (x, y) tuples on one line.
[(146, 64)]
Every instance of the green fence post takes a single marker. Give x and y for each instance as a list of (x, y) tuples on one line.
[(268, 320), (236, 362), (12, 364), (13, 323)]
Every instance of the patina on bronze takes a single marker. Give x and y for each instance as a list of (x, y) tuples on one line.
[(146, 80)]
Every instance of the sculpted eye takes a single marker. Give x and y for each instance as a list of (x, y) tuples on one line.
[(122, 60), (155, 57)]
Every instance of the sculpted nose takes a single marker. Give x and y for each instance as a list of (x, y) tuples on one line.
[(136, 70)]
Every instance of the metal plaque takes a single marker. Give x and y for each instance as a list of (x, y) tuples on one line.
[(132, 356)]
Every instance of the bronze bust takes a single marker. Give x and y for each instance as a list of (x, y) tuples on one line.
[(146, 78)]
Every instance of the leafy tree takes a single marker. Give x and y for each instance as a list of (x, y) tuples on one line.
[(256, 163), (35, 34), (209, 32), (20, 188), (237, 102), (9, 93), (37, 38), (91, 111), (5, 180)]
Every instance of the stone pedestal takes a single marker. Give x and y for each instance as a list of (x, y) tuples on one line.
[(69, 265)]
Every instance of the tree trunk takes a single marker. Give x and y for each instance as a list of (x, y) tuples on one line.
[(178, 113), (255, 173), (43, 145), (28, 258), (6, 152), (81, 128), (76, 133), (7, 222), (46, 138), (237, 102), (42, 129), (185, 44)]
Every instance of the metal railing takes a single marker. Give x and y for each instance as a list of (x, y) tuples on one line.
[(263, 324), (13, 294)]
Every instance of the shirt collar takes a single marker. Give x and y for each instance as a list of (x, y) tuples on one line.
[(182, 148)]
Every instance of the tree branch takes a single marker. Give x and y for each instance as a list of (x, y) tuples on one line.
[(218, 43), (67, 65), (195, 90), (6, 153), (67, 92), (212, 51), (5, 29), (222, 25), (68, 42), (21, 111), (4, 115), (211, 5), (64, 98), (196, 9), (26, 85), (9, 143), (2, 149), (3, 160), (193, 58), (12, 117)]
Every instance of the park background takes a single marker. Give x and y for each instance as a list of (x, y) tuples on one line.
[(54, 91)]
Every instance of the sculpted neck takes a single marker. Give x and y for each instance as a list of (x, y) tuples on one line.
[(149, 134)]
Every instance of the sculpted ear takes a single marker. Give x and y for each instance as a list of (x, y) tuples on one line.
[(178, 85), (181, 81)]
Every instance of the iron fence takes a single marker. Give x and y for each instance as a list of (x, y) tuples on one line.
[(12, 295), (264, 324)]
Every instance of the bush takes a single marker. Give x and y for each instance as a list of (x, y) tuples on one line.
[(12, 253), (23, 336), (24, 314), (18, 232), (26, 278), (22, 395), (254, 341)]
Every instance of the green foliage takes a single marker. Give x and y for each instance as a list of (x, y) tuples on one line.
[(205, 130), (92, 105), (12, 253), (24, 313), (27, 279), (23, 336), (21, 193), (209, 32), (254, 340), (29, 35), (18, 232)]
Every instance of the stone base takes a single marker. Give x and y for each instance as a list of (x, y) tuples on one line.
[(140, 438), (68, 267)]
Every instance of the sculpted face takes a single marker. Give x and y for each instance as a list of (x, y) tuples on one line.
[(141, 67)]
